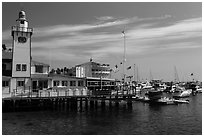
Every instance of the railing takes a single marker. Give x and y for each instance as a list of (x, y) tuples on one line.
[(67, 93), (23, 29)]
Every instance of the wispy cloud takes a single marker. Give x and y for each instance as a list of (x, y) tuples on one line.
[(103, 37), (105, 18)]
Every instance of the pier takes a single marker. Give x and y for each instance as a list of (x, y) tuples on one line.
[(68, 103)]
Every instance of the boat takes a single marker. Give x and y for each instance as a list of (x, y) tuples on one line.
[(181, 101), (198, 89), (154, 94), (166, 101), (183, 94)]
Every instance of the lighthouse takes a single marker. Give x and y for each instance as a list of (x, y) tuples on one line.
[(21, 56)]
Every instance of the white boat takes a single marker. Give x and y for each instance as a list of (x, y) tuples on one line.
[(183, 94), (198, 89), (181, 101)]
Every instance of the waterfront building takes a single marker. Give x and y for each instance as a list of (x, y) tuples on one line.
[(98, 76), (39, 76), (67, 85), (92, 69)]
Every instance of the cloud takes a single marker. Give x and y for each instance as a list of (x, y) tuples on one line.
[(105, 18), (104, 39)]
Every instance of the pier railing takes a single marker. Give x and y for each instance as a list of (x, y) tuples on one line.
[(64, 92)]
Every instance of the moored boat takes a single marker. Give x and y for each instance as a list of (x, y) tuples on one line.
[(183, 94)]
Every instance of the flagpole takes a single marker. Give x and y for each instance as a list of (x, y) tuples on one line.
[(124, 57)]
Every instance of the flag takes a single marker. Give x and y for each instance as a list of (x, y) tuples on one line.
[(116, 66), (123, 32), (191, 74), (129, 67)]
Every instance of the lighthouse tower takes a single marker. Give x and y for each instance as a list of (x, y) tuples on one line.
[(21, 62)]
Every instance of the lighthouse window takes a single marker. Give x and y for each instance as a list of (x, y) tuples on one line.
[(22, 21), (18, 67), (24, 66)]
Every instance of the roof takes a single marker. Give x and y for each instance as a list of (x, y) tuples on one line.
[(33, 63), (6, 55), (39, 76), (93, 63)]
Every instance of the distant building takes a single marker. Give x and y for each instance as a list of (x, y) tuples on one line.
[(92, 69), (39, 76)]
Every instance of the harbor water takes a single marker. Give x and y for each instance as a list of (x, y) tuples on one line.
[(141, 119)]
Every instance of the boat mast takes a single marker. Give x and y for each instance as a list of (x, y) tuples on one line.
[(176, 75), (134, 72), (137, 75), (151, 77)]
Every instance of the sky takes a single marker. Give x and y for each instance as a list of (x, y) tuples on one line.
[(159, 36)]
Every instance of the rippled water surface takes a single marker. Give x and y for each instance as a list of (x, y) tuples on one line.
[(142, 119)]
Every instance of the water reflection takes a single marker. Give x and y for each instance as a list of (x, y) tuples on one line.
[(141, 119)]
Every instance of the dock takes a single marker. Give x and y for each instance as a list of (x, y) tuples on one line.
[(69, 103)]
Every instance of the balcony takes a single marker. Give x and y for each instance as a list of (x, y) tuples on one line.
[(21, 29)]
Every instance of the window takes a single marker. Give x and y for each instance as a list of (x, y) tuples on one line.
[(45, 84), (3, 66), (72, 83), (80, 83), (20, 83), (5, 83), (22, 21), (56, 83), (39, 69), (64, 83), (18, 67), (24, 67)]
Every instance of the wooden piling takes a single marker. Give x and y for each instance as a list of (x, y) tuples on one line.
[(96, 104), (81, 105), (91, 105), (103, 104), (86, 104)]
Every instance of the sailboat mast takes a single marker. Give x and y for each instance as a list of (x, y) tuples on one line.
[(176, 75), (137, 75), (134, 72)]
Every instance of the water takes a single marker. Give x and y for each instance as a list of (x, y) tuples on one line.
[(142, 119)]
